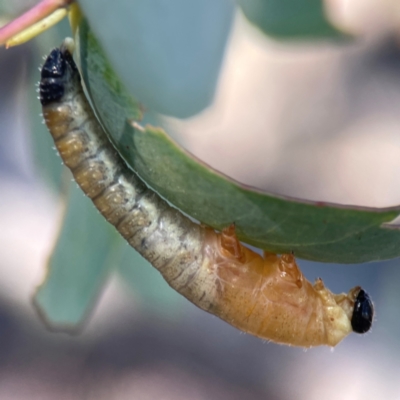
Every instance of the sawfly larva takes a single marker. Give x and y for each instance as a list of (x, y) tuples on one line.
[(266, 296)]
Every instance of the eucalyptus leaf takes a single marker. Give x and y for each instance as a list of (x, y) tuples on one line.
[(167, 53), (290, 18), (84, 255), (316, 231)]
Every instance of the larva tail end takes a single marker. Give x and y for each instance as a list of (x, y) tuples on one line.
[(363, 313), (55, 71)]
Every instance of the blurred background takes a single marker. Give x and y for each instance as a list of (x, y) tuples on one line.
[(325, 121)]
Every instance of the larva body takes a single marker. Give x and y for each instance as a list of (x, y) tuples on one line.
[(265, 296)]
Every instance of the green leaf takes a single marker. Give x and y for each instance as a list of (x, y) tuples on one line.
[(315, 231), (172, 48), (85, 253), (290, 18)]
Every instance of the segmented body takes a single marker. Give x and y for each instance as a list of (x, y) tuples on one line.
[(265, 296)]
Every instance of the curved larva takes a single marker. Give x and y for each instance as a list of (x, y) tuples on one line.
[(265, 296)]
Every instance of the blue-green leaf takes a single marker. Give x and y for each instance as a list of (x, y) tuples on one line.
[(168, 54), (289, 18), (79, 265)]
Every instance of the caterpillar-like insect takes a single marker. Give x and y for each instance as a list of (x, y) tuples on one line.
[(266, 296)]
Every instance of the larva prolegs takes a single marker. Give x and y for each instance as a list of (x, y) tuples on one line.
[(231, 244)]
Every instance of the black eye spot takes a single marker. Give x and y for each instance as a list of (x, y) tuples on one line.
[(363, 313)]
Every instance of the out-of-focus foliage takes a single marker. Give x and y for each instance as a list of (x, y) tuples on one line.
[(12, 8), (180, 45), (77, 269), (295, 19)]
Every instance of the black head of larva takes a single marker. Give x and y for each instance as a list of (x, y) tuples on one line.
[(363, 313), (54, 66), (56, 71)]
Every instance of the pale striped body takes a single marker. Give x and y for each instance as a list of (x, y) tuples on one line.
[(268, 297)]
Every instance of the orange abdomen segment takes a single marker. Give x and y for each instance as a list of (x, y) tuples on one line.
[(269, 297)]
